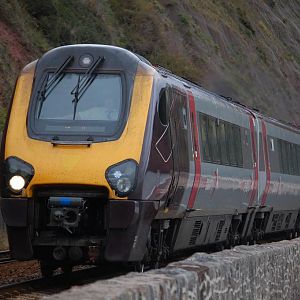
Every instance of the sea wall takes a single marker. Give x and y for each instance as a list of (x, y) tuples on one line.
[(269, 271), (3, 236)]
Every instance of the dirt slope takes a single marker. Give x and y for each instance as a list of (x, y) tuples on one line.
[(248, 50)]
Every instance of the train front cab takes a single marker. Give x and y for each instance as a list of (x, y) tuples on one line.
[(74, 205)]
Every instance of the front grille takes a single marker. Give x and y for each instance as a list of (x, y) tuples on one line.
[(89, 218), (71, 191)]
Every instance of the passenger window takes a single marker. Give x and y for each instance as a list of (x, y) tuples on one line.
[(289, 158), (213, 143), (222, 143), (204, 141), (285, 158), (280, 150), (271, 146), (294, 160), (231, 144), (298, 158), (162, 108), (238, 145)]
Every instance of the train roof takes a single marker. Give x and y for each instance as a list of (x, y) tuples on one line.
[(186, 82), (190, 84)]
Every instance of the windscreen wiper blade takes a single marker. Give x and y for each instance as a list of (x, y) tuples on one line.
[(47, 87), (84, 83)]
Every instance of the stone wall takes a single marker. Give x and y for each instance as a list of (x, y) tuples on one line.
[(270, 271), (3, 236)]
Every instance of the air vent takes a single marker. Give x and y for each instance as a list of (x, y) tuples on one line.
[(219, 229), (277, 221), (288, 220), (196, 232), (274, 221)]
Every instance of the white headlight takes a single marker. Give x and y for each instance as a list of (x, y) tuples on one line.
[(17, 182)]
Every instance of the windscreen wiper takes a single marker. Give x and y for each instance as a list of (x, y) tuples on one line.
[(47, 87), (84, 83)]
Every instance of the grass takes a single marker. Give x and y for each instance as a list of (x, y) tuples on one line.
[(188, 37)]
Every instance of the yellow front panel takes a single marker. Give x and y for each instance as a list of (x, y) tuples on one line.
[(75, 164)]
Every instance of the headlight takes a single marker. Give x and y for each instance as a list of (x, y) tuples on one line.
[(17, 183), (18, 174), (122, 177)]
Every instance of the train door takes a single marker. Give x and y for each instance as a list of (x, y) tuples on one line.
[(178, 122)]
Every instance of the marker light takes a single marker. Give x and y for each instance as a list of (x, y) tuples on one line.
[(85, 60), (122, 177), (17, 183)]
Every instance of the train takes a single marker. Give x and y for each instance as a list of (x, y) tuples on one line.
[(106, 158)]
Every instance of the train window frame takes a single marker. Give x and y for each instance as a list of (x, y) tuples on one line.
[(205, 149), (232, 141), (294, 158), (230, 145), (213, 141), (298, 157), (164, 121), (238, 145), (272, 146), (221, 135), (37, 134), (289, 157)]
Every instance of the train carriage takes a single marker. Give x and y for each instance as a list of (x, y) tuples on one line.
[(106, 158)]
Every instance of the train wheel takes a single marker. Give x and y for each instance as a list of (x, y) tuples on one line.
[(46, 269)]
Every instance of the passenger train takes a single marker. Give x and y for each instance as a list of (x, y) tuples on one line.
[(106, 158)]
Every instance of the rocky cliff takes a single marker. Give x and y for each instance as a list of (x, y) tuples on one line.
[(247, 50)]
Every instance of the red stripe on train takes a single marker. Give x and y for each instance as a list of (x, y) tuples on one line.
[(255, 165), (267, 163), (196, 183)]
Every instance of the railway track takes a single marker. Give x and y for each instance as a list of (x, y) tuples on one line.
[(40, 287), (5, 257)]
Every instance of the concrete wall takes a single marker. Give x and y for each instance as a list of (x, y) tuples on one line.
[(270, 271)]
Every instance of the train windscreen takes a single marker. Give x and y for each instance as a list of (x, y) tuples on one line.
[(79, 104)]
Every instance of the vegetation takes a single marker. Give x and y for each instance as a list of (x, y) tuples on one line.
[(246, 50)]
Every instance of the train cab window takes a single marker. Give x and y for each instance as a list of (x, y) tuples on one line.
[(162, 107), (96, 109), (100, 102)]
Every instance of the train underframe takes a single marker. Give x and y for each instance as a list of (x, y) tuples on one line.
[(63, 227)]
